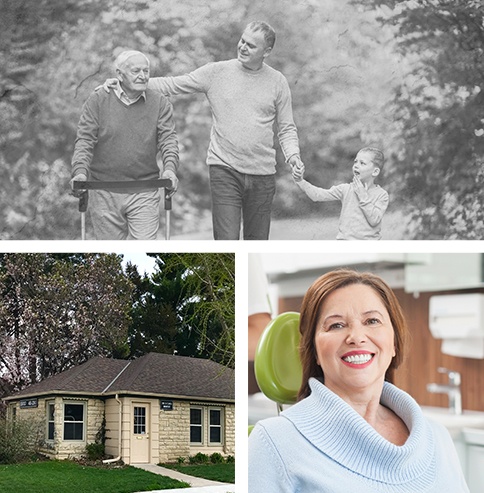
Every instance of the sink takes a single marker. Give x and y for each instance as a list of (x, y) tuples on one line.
[(454, 422)]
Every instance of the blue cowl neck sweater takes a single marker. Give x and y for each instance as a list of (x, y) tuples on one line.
[(321, 445)]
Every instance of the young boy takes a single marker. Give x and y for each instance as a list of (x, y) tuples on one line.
[(363, 202)]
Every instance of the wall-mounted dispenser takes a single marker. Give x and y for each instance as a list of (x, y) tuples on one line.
[(458, 319)]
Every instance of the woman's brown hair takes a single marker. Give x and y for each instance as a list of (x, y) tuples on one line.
[(311, 308)]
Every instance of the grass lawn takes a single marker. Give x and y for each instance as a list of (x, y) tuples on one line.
[(225, 473), (66, 477)]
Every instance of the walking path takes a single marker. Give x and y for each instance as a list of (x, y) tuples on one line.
[(198, 485)]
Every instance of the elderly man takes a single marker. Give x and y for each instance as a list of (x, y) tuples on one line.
[(246, 97), (122, 136)]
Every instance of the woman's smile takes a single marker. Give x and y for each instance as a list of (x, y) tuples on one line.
[(358, 359)]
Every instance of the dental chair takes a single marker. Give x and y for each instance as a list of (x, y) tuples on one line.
[(277, 367)]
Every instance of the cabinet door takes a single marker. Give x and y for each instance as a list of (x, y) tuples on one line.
[(475, 471)]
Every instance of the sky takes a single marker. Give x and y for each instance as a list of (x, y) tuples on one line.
[(145, 264)]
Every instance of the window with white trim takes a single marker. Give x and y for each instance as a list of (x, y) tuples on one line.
[(206, 425), (50, 420), (196, 425), (215, 426), (74, 421)]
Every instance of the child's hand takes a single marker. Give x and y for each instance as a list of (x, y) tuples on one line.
[(361, 188), (298, 170)]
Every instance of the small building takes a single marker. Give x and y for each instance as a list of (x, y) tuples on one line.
[(153, 409)]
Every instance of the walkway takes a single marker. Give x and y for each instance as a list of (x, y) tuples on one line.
[(198, 485)]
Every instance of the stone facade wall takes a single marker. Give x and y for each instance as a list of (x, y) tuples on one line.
[(93, 417), (175, 432), (170, 430), (58, 448), (230, 429)]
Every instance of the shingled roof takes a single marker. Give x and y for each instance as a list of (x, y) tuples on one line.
[(152, 374)]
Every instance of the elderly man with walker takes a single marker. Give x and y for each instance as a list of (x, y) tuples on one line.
[(125, 139)]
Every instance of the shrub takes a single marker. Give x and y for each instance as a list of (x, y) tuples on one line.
[(230, 459), (199, 458), (19, 440), (217, 458), (181, 460), (95, 451)]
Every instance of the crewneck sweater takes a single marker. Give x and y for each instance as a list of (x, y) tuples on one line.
[(245, 106), (322, 445), (360, 219)]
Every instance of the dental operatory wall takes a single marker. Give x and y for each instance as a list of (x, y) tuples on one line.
[(423, 355)]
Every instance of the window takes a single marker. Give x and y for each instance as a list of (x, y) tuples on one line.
[(196, 425), (50, 420), (206, 425), (215, 426), (73, 421), (139, 423)]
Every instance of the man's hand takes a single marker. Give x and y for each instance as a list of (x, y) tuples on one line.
[(170, 175), (108, 85), (78, 177), (297, 167)]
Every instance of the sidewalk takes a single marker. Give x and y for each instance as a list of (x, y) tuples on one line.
[(198, 485)]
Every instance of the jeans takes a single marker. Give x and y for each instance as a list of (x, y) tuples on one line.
[(125, 216), (237, 196)]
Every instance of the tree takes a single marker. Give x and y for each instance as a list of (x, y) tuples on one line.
[(58, 311), (438, 154), (186, 307), (36, 132), (154, 324)]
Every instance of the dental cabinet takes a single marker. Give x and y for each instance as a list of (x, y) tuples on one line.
[(443, 271)]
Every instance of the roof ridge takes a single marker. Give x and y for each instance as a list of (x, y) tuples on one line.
[(117, 376)]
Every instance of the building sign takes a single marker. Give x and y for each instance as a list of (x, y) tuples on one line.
[(166, 405), (28, 403)]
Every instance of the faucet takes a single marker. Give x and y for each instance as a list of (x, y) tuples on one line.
[(452, 389)]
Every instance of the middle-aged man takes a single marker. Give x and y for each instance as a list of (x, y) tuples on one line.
[(122, 136), (246, 97)]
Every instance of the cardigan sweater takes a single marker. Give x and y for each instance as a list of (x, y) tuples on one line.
[(119, 142), (322, 445), (360, 219), (245, 106)]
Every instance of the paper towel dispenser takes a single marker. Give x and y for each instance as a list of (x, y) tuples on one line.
[(458, 319)]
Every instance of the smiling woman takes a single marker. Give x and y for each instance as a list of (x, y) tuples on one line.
[(363, 433)]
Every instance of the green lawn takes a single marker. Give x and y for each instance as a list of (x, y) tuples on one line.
[(68, 477), (225, 473)]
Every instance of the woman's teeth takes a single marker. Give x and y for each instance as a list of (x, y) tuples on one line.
[(358, 359)]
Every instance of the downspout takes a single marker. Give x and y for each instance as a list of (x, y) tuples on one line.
[(109, 461)]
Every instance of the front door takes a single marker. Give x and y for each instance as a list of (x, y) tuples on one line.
[(140, 433)]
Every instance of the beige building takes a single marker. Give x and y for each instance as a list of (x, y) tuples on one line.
[(154, 409)]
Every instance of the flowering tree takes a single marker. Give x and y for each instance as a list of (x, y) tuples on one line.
[(57, 311)]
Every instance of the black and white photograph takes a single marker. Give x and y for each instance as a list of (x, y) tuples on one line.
[(260, 119)]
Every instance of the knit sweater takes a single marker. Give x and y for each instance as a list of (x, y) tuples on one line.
[(360, 219), (120, 142), (245, 105), (321, 445)]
